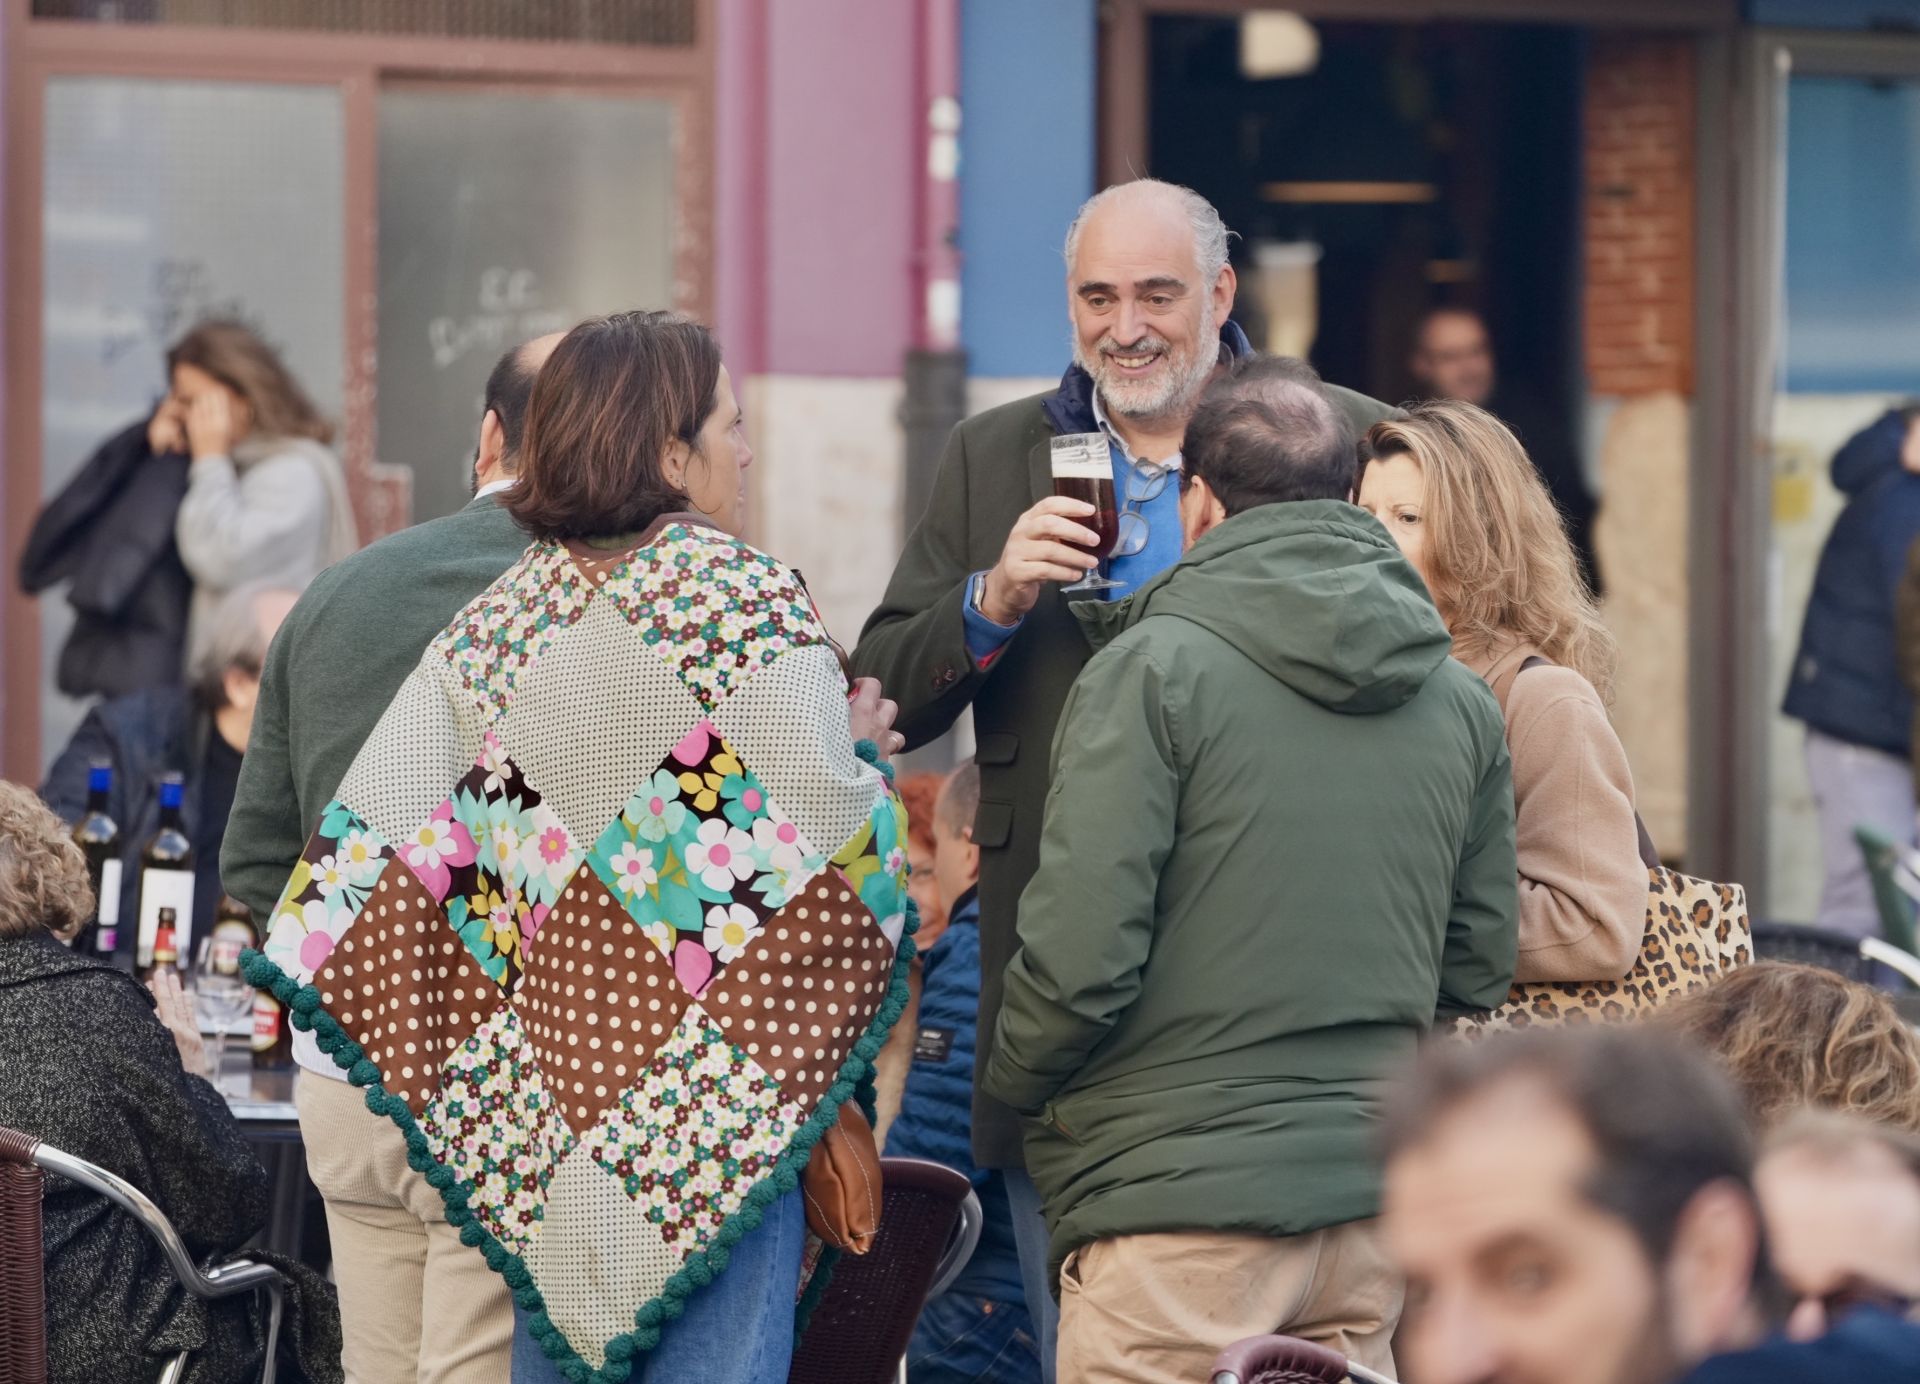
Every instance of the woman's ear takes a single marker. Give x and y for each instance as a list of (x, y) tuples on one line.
[(673, 466)]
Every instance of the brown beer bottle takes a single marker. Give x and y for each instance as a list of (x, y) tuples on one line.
[(166, 951), (272, 1039)]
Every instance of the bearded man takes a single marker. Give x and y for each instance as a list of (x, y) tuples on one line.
[(975, 616)]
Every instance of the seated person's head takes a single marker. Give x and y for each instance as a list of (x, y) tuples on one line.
[(1794, 1037), (956, 860), (1841, 1197), (43, 875), (1571, 1207), (1265, 433), (230, 652), (921, 793)]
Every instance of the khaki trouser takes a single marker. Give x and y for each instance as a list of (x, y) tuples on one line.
[(1156, 1309), (416, 1305)]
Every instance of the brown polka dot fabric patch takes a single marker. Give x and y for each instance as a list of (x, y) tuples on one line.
[(798, 1002), (405, 986), (597, 1000)]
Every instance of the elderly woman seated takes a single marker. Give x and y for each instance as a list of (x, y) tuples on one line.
[(98, 1067)]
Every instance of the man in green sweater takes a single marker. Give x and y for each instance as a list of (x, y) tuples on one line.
[(1279, 842), (415, 1303)]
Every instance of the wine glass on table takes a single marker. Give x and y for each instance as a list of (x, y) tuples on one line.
[(1083, 470), (221, 996)]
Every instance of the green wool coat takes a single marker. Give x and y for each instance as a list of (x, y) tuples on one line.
[(1279, 841), (996, 467)]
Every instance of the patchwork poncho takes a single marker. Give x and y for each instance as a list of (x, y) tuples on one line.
[(607, 916)]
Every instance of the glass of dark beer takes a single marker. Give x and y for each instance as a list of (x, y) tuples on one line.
[(1083, 470)]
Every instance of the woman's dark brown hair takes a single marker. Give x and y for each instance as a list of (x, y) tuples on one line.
[(1797, 1037), (615, 393), (241, 361)]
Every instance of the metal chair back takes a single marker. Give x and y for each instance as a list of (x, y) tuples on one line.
[(234, 1276), (930, 1222)]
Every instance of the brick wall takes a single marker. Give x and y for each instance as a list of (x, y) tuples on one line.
[(1639, 215)]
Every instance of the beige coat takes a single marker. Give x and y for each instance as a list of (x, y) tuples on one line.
[(1583, 887)]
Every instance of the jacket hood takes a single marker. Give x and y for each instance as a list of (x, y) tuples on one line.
[(1313, 591)]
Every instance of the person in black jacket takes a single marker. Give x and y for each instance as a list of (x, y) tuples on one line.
[(110, 534), (99, 1068), (198, 730), (1846, 678)]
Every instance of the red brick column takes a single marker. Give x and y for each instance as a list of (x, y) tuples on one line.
[(1639, 215)]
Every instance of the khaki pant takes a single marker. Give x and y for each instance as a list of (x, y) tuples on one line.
[(1156, 1309), (416, 1305)]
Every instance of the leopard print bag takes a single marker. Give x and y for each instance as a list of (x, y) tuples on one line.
[(1697, 931)]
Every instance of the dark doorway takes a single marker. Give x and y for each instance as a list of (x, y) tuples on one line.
[(1429, 163)]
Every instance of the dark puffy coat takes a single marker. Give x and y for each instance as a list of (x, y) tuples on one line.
[(89, 1070), (1846, 677), (110, 532), (936, 1110)]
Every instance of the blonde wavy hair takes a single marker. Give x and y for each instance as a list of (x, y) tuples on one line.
[(1497, 551), (43, 875), (1796, 1038)]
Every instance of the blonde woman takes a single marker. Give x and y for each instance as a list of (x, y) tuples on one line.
[(1458, 494)]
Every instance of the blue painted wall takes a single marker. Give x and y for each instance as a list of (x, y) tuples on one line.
[(1026, 164), (1834, 14)]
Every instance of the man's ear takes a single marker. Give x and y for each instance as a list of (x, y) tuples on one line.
[(1224, 288), (493, 447), (1710, 1270)]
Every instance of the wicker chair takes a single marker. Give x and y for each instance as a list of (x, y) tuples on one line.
[(1286, 1360), (23, 1307), (930, 1222)]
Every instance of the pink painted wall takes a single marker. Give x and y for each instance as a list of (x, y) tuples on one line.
[(816, 149)]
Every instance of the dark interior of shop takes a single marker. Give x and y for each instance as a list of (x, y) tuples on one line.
[(1430, 163)]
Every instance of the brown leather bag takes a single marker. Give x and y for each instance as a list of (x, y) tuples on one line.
[(842, 1184)]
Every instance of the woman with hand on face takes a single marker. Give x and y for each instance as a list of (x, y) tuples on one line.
[(1458, 494), (266, 498)]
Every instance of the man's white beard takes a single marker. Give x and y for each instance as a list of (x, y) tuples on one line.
[(1170, 394)]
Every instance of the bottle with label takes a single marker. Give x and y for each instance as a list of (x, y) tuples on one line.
[(98, 837), (233, 932), (166, 943), (272, 1039), (166, 878)]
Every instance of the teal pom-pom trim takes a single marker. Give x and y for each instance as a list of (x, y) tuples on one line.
[(870, 752), (854, 1080)]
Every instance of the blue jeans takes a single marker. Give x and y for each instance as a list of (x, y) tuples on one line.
[(1030, 1238), (736, 1330), (970, 1340)]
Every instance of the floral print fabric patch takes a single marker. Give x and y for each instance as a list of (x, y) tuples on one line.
[(714, 608), (701, 857), (336, 875), (495, 857)]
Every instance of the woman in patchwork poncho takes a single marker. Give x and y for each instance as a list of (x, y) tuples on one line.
[(608, 914)]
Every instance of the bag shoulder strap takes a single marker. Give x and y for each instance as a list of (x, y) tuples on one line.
[(1649, 854)]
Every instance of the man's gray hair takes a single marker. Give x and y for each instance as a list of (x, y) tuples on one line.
[(1210, 233), (232, 638)]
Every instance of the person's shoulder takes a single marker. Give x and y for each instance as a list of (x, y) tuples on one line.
[(162, 706), (1467, 693), (1546, 686), (1362, 410), (1017, 421), (475, 528)]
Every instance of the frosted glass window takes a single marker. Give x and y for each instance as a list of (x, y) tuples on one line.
[(504, 216), (167, 202)]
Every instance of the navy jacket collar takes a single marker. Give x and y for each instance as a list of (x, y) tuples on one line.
[(1070, 407)]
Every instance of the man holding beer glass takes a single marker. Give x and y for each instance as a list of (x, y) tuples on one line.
[(1075, 486)]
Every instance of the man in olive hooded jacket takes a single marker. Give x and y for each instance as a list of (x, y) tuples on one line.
[(1279, 843)]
